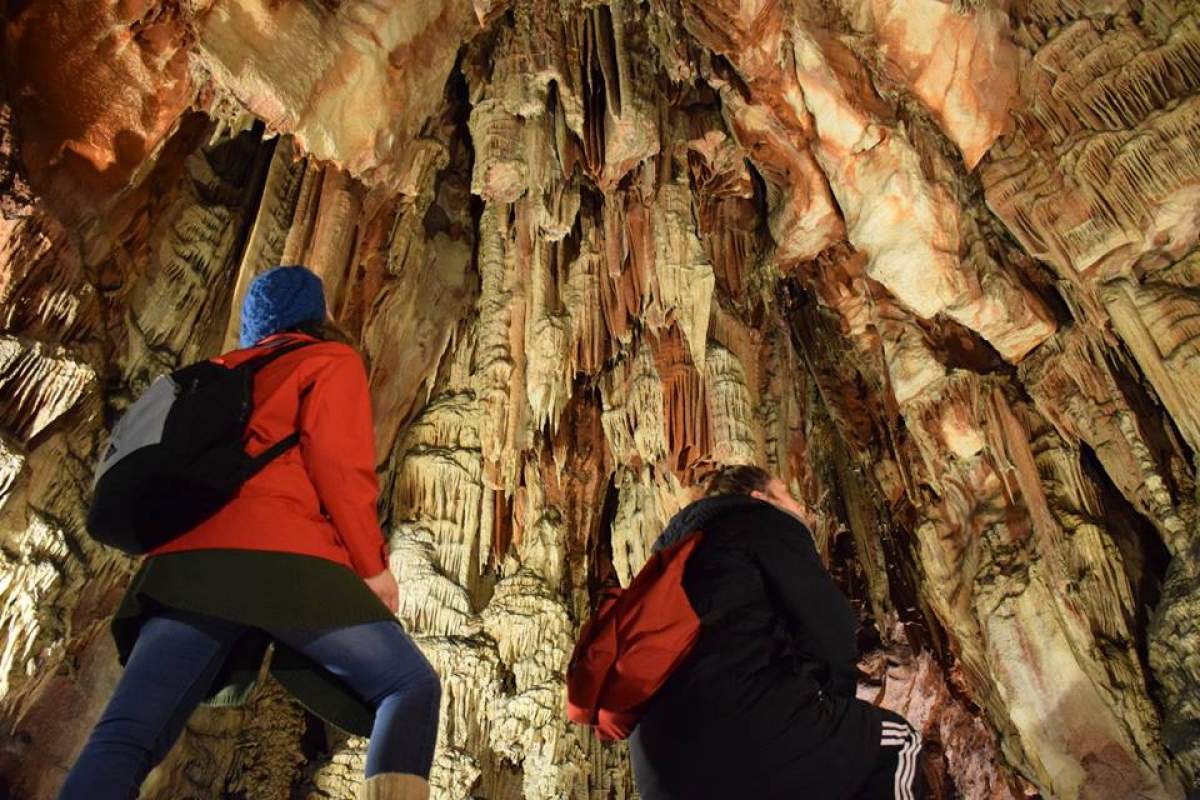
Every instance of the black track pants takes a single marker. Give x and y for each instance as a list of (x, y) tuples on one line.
[(897, 773)]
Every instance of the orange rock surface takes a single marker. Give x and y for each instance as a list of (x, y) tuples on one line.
[(934, 264)]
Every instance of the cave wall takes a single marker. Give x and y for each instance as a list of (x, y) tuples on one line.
[(935, 264)]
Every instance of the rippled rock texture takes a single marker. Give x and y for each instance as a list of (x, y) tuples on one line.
[(934, 263)]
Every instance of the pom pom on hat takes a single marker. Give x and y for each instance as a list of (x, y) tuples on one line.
[(279, 299)]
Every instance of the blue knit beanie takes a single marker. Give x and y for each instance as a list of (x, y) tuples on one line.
[(279, 299)]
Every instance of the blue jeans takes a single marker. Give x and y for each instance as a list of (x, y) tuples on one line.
[(176, 659)]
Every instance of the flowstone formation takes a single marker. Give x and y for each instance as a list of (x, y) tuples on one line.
[(933, 263)]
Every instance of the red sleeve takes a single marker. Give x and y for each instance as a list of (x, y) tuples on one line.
[(338, 444)]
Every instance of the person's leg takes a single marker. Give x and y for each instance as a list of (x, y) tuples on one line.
[(380, 662), (897, 774), (172, 665)]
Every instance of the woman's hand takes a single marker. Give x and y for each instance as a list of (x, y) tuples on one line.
[(385, 588)]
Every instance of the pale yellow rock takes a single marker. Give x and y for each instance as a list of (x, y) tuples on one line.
[(350, 84), (730, 408), (1158, 324), (960, 62), (932, 264), (1107, 182), (685, 278), (1066, 714), (38, 386)]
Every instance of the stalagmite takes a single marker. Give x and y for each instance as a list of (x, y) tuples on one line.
[(933, 264)]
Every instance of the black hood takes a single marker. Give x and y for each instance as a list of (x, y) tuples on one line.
[(695, 516)]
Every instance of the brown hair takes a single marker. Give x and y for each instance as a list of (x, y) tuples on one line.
[(737, 479), (329, 331), (323, 329)]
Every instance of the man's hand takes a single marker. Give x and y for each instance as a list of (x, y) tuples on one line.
[(385, 588)]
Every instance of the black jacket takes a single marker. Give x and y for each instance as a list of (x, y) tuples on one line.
[(764, 706)]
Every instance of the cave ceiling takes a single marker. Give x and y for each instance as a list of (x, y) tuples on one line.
[(934, 263)]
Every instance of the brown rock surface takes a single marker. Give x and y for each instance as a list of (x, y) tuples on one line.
[(935, 264), (96, 86)]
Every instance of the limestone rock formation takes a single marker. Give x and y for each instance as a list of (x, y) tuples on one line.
[(933, 263)]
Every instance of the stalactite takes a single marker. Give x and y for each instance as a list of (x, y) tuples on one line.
[(195, 244), (619, 239), (728, 226), (730, 409), (933, 265), (1144, 316), (273, 220), (547, 343), (495, 361), (634, 410), (685, 408), (39, 387), (1118, 128), (581, 295), (424, 289), (646, 501), (44, 295), (341, 106), (685, 278), (1076, 387)]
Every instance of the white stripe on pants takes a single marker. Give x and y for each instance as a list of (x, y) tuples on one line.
[(908, 741)]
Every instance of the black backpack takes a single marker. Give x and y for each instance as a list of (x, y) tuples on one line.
[(176, 456)]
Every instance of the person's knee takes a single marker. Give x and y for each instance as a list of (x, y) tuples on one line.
[(136, 739), (417, 685), (428, 686), (130, 733)]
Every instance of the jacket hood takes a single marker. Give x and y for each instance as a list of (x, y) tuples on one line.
[(695, 516)]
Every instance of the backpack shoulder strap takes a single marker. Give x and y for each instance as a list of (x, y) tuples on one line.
[(273, 452), (253, 365)]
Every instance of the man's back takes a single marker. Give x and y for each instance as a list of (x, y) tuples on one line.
[(762, 708)]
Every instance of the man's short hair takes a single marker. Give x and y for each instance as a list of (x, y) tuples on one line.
[(737, 479)]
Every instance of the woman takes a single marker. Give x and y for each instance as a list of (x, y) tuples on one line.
[(297, 558)]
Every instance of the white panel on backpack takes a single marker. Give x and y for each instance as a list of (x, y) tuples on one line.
[(141, 425)]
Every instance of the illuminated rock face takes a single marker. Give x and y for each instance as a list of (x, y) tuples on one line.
[(933, 264)]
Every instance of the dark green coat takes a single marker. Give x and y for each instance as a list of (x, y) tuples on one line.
[(264, 591)]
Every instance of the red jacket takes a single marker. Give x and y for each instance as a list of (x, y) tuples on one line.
[(317, 499)]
